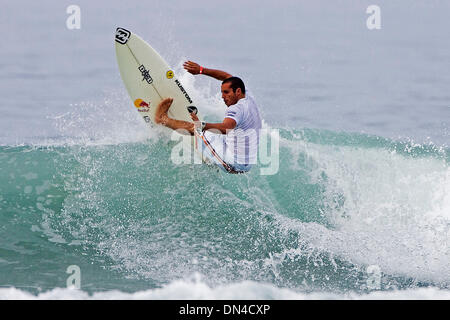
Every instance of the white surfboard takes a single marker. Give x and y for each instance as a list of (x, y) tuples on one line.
[(149, 79)]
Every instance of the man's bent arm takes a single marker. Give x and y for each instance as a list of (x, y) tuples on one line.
[(227, 124), (175, 124), (161, 117)]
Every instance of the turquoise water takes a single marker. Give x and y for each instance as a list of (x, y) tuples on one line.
[(133, 220)]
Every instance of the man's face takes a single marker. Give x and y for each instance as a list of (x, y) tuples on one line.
[(228, 96)]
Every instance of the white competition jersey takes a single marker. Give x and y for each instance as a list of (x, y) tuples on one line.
[(243, 140)]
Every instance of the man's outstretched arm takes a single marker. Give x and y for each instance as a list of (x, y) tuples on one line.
[(195, 68)]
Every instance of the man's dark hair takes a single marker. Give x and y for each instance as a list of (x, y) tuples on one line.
[(235, 83)]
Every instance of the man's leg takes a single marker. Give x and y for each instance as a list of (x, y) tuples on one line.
[(162, 118)]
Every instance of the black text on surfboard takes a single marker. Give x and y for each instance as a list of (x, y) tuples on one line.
[(184, 91), (145, 74)]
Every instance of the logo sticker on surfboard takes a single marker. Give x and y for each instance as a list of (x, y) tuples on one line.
[(145, 74), (142, 105), (122, 35), (169, 74)]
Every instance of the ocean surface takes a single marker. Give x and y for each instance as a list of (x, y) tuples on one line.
[(359, 207)]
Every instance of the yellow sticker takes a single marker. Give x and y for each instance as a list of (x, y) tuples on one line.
[(169, 74)]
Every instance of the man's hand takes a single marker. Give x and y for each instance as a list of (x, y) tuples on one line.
[(197, 123), (192, 67), (161, 111), (194, 116)]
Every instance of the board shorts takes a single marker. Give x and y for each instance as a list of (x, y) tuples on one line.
[(211, 146)]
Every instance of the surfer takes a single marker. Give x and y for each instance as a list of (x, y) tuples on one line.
[(235, 140)]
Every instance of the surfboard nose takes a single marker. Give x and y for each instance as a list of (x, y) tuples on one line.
[(122, 35)]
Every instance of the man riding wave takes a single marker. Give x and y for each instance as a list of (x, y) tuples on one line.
[(233, 142)]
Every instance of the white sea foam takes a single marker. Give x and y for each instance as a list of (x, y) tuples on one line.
[(112, 120), (387, 209), (195, 289)]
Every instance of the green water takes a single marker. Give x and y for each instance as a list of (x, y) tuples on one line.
[(133, 220)]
